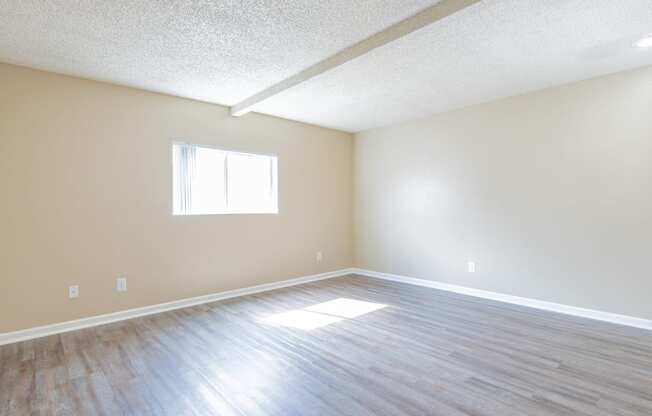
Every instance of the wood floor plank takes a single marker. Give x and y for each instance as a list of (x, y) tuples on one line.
[(424, 352)]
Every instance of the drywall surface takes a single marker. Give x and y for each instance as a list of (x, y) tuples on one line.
[(85, 179), (549, 193)]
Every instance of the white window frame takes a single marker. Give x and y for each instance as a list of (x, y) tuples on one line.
[(273, 177)]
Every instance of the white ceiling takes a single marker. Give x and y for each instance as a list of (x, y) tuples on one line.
[(213, 50), (226, 51)]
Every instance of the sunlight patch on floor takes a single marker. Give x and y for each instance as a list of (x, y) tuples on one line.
[(301, 319), (345, 308), (322, 314)]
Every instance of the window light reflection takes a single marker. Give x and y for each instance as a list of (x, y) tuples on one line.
[(322, 314)]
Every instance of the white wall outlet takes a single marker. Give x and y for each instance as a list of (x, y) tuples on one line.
[(121, 284), (319, 257), (471, 267), (73, 291)]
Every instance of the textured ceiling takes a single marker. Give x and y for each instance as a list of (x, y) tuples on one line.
[(491, 50), (213, 50), (226, 51)]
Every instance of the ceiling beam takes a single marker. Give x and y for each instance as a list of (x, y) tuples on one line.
[(424, 18)]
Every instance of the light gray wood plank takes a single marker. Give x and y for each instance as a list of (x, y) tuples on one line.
[(428, 352)]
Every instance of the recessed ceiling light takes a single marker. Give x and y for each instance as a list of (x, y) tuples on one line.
[(646, 42)]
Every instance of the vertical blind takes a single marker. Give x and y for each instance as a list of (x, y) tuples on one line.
[(214, 181)]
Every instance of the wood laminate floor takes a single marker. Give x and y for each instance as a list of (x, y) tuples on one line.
[(420, 352)]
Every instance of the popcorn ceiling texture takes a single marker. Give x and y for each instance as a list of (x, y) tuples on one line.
[(490, 50), (226, 51), (213, 50)]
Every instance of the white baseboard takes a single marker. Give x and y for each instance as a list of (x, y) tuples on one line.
[(532, 303), (42, 331)]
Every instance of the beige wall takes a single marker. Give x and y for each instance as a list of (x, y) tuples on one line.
[(550, 193), (85, 184)]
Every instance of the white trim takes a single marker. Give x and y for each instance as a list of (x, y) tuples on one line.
[(224, 149), (183, 211), (58, 328), (532, 303)]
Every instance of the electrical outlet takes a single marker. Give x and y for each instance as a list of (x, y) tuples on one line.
[(73, 291), (121, 284), (471, 267), (319, 257)]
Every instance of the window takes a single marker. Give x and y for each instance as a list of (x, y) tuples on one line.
[(213, 181)]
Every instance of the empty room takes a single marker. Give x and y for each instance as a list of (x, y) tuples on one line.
[(321, 208)]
